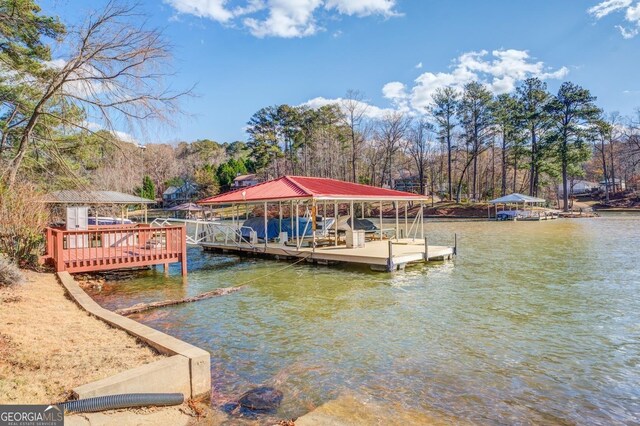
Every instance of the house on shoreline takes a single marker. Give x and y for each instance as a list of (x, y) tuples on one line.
[(176, 195), (245, 181)]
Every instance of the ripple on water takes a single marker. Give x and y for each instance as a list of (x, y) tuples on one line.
[(534, 323)]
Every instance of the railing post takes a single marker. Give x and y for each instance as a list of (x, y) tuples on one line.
[(49, 246), (142, 237), (183, 245), (59, 251)]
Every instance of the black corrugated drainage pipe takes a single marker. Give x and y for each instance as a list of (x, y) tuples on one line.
[(126, 400)]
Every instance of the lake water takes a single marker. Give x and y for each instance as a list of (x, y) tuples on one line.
[(532, 323)]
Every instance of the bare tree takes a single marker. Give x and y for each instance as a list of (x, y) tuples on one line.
[(112, 76), (390, 134), (418, 143), (354, 109)]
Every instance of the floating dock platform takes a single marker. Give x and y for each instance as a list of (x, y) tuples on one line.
[(385, 255)]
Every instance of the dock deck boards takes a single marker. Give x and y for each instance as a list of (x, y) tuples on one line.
[(374, 253)]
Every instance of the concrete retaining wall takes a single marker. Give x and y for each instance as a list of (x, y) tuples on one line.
[(187, 370)]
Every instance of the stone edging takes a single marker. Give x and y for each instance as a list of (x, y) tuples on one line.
[(186, 370)]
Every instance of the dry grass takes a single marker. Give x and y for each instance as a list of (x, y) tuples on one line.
[(48, 345)]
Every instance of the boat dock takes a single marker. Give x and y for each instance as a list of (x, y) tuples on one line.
[(385, 255), (322, 221)]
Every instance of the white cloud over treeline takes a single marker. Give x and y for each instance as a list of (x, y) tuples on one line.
[(500, 71), (281, 18)]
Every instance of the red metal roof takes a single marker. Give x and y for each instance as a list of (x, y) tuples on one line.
[(298, 187)]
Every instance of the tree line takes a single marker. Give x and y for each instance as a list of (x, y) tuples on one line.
[(469, 144)]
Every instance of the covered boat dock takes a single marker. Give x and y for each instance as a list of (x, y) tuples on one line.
[(509, 213), (324, 221)]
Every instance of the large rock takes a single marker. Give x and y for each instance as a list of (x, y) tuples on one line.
[(264, 398)]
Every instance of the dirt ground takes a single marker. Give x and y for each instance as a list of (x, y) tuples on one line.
[(48, 345)]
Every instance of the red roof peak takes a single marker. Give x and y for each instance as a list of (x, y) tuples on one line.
[(299, 187)]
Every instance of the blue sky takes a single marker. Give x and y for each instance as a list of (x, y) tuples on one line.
[(246, 54)]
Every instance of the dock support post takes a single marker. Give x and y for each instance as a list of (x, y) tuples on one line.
[(314, 225), (421, 219), (397, 207), (455, 244), (266, 235), (297, 225), (351, 213), (380, 220), (426, 249), (291, 220), (406, 219), (390, 265), (335, 222)]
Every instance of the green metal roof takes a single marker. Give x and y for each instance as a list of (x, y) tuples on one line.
[(93, 197)]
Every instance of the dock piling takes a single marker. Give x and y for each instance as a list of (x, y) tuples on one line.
[(455, 244), (390, 265), (426, 250)]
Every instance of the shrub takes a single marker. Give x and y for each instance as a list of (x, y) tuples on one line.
[(23, 217), (9, 273)]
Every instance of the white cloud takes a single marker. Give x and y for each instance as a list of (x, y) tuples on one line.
[(287, 18), (609, 6), (56, 63), (394, 90), (213, 9), (419, 65), (281, 18), (371, 111), (500, 71), (363, 7), (632, 14), (84, 82), (123, 136)]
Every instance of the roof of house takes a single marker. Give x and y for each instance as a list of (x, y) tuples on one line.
[(582, 181), (611, 182), (170, 190), (244, 177), (517, 198), (93, 197), (187, 207), (299, 187)]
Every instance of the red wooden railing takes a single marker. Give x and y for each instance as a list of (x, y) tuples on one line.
[(114, 247)]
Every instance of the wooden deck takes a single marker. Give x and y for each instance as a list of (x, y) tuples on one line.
[(376, 254), (115, 247)]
